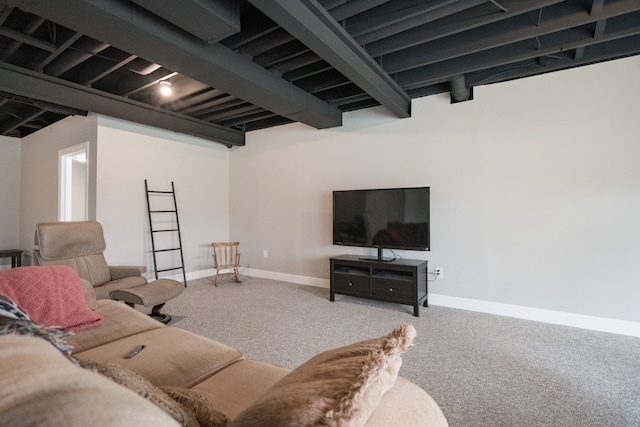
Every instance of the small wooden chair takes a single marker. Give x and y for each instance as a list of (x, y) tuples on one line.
[(226, 257)]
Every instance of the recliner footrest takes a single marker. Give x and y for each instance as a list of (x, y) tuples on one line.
[(151, 294)]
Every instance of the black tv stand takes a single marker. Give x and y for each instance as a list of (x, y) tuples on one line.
[(403, 281)]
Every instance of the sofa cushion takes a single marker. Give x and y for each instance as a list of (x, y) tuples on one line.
[(39, 387), (119, 321), (340, 387), (51, 295), (172, 356), (197, 405), (236, 387), (143, 388)]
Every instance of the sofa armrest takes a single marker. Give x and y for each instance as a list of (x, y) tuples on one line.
[(38, 386), (418, 407), (122, 271)]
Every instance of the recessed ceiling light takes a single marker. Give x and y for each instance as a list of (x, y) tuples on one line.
[(165, 88)]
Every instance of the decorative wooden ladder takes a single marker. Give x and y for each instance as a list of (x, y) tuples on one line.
[(174, 228)]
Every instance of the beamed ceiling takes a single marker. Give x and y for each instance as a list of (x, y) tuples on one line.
[(237, 66)]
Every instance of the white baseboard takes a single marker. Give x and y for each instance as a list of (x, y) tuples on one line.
[(292, 278), (594, 323), (193, 275)]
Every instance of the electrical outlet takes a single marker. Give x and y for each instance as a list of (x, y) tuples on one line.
[(265, 253), (439, 272)]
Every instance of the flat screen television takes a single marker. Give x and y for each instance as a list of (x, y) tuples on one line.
[(390, 218)]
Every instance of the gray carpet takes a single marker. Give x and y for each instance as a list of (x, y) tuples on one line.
[(483, 370)]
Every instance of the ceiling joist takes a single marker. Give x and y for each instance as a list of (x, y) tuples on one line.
[(315, 28)]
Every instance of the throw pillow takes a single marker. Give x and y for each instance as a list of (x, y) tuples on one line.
[(197, 405), (51, 295), (14, 321), (340, 387), (11, 310), (144, 388)]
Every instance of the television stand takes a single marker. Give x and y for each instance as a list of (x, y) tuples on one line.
[(403, 281)]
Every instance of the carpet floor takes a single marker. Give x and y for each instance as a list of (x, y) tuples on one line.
[(482, 369)]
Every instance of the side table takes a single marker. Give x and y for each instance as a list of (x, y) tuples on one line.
[(14, 254)]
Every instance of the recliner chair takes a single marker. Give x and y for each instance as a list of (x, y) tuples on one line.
[(80, 245)]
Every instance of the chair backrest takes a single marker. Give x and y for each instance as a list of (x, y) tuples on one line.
[(225, 254), (77, 244)]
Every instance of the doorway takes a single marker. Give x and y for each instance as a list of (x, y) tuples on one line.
[(74, 178)]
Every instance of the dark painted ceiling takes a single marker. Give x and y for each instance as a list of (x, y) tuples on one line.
[(237, 66)]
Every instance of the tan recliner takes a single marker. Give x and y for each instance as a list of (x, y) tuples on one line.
[(80, 245)]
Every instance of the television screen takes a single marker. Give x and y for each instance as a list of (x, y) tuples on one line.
[(394, 218)]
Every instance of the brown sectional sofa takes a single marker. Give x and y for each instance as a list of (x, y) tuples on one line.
[(39, 386)]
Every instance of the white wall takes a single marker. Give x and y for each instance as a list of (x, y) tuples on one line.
[(39, 172), (127, 155), (535, 189), (9, 196)]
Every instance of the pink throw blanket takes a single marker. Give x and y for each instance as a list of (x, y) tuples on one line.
[(50, 295)]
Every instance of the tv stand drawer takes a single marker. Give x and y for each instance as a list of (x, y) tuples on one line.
[(392, 290), (352, 283)]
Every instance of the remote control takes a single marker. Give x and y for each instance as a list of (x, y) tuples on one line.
[(134, 352)]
